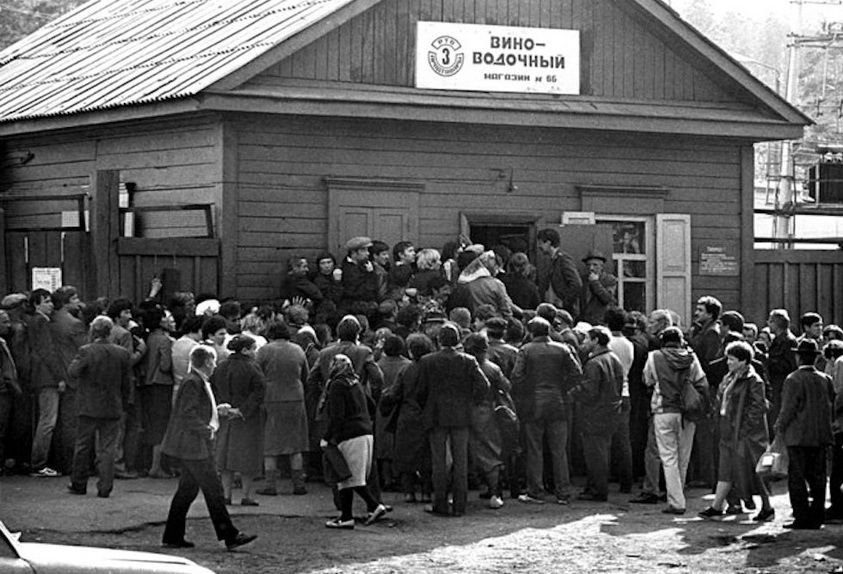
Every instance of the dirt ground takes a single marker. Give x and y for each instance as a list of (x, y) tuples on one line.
[(583, 537)]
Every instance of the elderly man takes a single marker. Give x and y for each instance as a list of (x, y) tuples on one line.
[(103, 371), (805, 423), (599, 291), (544, 372), (190, 439), (450, 384)]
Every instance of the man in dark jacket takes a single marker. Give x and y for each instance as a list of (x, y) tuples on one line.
[(561, 283), (544, 372), (599, 290), (450, 384), (707, 344), (781, 359), (190, 439), (599, 394), (667, 371), (9, 385), (359, 280), (103, 372), (49, 380), (805, 424)]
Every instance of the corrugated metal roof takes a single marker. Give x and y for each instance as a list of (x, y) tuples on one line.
[(110, 53)]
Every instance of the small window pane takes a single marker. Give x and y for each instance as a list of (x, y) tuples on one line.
[(628, 236), (634, 269), (635, 297)]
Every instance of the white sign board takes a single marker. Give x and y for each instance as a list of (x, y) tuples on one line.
[(48, 278), (497, 58)]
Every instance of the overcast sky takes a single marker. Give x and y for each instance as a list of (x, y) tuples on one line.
[(815, 11)]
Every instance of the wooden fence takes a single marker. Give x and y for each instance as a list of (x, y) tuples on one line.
[(799, 281)]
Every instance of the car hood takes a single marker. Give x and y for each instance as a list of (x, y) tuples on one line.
[(50, 558)]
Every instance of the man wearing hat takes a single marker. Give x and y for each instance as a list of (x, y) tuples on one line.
[(359, 280), (599, 289), (804, 423)]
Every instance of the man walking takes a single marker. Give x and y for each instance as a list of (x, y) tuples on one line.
[(805, 424), (103, 372), (190, 438)]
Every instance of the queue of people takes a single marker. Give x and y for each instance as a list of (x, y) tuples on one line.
[(422, 373)]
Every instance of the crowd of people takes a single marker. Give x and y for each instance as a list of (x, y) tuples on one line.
[(424, 373)]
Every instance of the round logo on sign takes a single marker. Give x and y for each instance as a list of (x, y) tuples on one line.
[(446, 58)]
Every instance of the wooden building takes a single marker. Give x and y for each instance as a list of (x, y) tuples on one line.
[(210, 143)]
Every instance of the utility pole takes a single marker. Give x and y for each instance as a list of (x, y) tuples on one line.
[(783, 223)]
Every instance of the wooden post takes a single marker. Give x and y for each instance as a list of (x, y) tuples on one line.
[(105, 228)]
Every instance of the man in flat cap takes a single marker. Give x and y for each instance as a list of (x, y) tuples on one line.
[(599, 289), (804, 423), (359, 280)]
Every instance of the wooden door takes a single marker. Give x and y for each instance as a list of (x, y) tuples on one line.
[(55, 249), (385, 211)]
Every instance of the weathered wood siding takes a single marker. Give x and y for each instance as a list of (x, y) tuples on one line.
[(283, 205), (624, 54), (171, 163)]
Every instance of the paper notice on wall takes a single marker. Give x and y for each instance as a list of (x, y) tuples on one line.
[(48, 278)]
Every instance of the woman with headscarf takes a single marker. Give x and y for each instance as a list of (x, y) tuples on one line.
[(239, 388), (743, 433), (349, 427)]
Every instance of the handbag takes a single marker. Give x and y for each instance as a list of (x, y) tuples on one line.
[(774, 462), (336, 463), (692, 404)]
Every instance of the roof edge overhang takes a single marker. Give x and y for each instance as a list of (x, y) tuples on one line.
[(670, 19), (169, 108), (689, 120)]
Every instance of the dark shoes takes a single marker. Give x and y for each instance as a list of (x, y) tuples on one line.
[(268, 491), (72, 489), (765, 515), (797, 525), (178, 544), (249, 502), (673, 510), (590, 496), (240, 540), (645, 498), (710, 512), (733, 510)]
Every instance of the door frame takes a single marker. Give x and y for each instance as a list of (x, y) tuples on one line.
[(513, 218), (370, 192)]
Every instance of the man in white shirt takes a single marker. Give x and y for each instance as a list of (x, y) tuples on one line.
[(621, 445)]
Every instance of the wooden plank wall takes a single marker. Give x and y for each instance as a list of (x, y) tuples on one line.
[(283, 198), (799, 281), (171, 163), (623, 54)]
